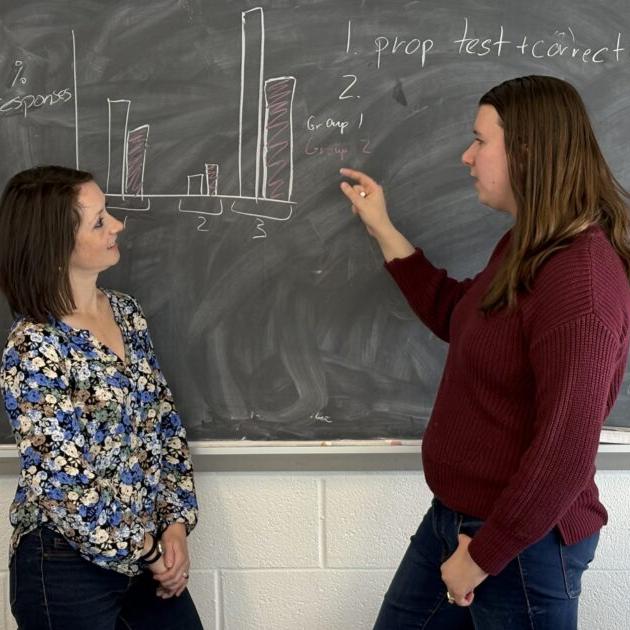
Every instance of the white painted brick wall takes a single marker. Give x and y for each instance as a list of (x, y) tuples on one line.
[(315, 551)]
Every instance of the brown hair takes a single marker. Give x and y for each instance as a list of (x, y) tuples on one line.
[(38, 222), (561, 182)]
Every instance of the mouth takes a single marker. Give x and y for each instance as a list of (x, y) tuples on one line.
[(112, 245)]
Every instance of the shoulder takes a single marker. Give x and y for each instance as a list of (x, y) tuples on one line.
[(32, 346), (122, 300), (127, 308), (587, 277), (26, 333), (502, 244)]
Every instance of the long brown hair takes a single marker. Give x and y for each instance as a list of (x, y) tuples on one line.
[(561, 182), (39, 218)]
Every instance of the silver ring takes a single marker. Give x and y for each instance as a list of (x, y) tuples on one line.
[(363, 194), (185, 575), (450, 598)]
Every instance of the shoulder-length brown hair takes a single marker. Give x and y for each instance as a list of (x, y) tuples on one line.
[(39, 218), (561, 182)]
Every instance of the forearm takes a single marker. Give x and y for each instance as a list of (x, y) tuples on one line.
[(176, 499), (392, 243), (177, 502)]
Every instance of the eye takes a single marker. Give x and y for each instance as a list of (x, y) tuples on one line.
[(99, 223)]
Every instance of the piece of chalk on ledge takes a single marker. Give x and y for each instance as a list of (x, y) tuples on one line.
[(363, 193)]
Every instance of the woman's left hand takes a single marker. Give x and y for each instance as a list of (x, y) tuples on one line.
[(462, 574), (174, 580)]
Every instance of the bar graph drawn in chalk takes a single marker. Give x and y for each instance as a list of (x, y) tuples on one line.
[(265, 174)]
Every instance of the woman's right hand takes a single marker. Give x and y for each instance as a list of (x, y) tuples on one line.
[(368, 201), (156, 568)]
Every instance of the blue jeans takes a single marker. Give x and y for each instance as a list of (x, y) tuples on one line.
[(538, 590), (53, 588)]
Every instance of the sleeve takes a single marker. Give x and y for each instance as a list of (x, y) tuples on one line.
[(93, 513), (176, 498), (431, 293), (177, 501), (574, 366)]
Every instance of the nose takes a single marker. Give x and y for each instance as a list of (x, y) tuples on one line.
[(468, 155), (117, 226)]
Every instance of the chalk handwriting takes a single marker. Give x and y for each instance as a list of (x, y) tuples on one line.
[(19, 68), (345, 94), (414, 46), (339, 149), (562, 42), (312, 124), (28, 102), (565, 45), (261, 232)]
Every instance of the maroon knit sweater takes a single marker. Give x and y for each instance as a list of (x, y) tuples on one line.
[(515, 427)]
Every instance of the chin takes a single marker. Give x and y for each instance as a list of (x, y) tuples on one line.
[(113, 260)]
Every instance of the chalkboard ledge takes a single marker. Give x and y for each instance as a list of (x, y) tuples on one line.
[(343, 455)]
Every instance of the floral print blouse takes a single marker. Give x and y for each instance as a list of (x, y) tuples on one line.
[(103, 452)]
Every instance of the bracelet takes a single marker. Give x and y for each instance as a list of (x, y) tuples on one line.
[(154, 553), (156, 556), (152, 548)]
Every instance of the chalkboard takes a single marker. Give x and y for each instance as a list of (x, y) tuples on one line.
[(217, 129)]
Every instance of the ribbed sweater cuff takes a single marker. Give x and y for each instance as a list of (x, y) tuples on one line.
[(399, 265), (492, 549), (407, 270)]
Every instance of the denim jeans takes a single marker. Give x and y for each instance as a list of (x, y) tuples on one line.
[(53, 588), (538, 590)]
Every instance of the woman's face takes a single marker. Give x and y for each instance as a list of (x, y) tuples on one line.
[(488, 163), (95, 246)]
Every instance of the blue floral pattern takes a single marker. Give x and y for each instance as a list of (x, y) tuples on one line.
[(103, 452)]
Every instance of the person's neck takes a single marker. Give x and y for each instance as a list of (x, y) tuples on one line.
[(85, 293)]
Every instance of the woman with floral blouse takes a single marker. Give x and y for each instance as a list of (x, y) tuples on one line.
[(105, 496)]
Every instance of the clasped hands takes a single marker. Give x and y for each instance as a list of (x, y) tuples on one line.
[(171, 570), (462, 574)]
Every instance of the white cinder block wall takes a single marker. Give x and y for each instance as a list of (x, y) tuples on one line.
[(316, 550)]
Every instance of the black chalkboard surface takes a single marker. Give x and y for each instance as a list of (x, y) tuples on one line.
[(217, 129)]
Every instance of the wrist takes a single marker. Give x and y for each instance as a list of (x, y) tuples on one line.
[(148, 543), (175, 532), (394, 245), (154, 551), (474, 567), (384, 232)]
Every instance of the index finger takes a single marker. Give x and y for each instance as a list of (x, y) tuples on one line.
[(169, 574), (359, 176)]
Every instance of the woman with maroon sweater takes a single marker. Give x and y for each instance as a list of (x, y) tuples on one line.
[(538, 343)]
